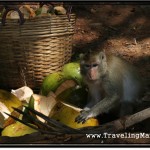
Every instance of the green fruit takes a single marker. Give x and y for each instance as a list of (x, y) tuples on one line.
[(17, 129), (74, 96), (27, 112), (72, 71), (31, 102), (38, 11), (51, 82)]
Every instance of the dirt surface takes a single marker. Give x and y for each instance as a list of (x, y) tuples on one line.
[(119, 29)]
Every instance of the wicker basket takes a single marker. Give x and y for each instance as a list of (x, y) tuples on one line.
[(31, 51)]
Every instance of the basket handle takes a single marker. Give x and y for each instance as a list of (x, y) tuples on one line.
[(69, 12), (21, 20)]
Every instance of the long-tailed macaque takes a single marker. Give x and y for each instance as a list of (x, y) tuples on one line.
[(113, 84)]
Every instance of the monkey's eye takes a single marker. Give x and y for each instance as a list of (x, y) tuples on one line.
[(87, 66), (94, 65)]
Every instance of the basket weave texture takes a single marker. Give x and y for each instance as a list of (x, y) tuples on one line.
[(31, 51)]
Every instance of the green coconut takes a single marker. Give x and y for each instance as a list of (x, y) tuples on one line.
[(72, 71), (52, 82)]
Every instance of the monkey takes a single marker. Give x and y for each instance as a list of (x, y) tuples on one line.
[(113, 83)]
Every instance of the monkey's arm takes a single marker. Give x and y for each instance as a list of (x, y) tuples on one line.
[(103, 106)]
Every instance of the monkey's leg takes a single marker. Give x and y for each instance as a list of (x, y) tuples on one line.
[(103, 106), (89, 105), (127, 108)]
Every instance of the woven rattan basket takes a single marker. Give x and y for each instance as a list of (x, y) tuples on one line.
[(31, 51)]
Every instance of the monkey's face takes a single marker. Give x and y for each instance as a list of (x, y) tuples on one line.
[(92, 66), (90, 70)]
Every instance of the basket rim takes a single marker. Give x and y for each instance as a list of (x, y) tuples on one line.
[(43, 17)]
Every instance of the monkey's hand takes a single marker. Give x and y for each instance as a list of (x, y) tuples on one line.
[(85, 114)]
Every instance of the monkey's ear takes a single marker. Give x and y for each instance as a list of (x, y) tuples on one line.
[(81, 56), (102, 55)]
